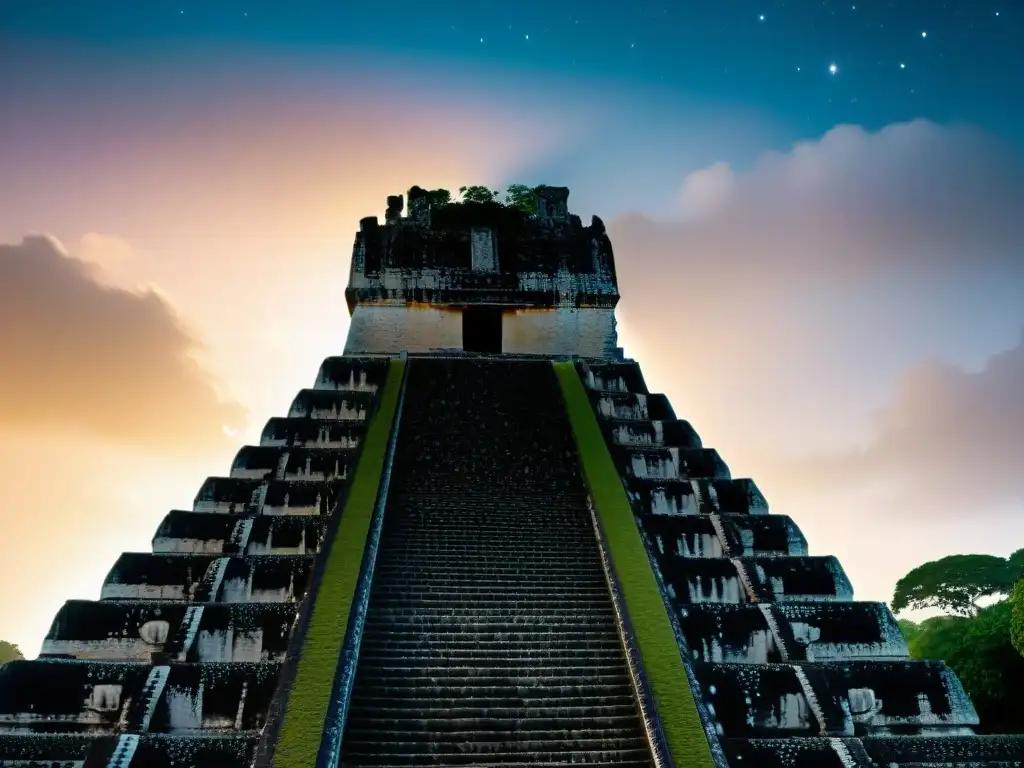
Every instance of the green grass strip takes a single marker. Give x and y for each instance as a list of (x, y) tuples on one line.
[(652, 628), (310, 695)]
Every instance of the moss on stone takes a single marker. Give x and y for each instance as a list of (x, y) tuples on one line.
[(310, 695), (652, 628)]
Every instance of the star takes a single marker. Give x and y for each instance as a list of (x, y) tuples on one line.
[(924, 34), (761, 17), (527, 37), (833, 69), (902, 65), (481, 39)]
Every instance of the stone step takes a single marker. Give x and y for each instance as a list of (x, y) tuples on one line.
[(488, 521), (456, 569), (508, 672), (534, 701), (454, 656), (593, 585), (491, 743), (420, 695), (469, 642), (498, 624), (388, 713), (482, 616), (594, 758), (432, 581), (496, 560), (444, 734), (493, 602), (478, 545)]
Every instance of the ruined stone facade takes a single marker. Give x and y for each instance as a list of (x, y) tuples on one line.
[(489, 625), (482, 277)]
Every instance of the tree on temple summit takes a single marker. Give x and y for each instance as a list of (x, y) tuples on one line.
[(439, 197), (522, 197), (9, 652), (954, 584), (477, 194)]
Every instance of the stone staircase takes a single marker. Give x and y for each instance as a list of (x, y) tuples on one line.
[(490, 636)]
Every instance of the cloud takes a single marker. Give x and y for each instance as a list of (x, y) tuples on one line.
[(83, 358), (107, 251), (789, 307), (944, 427)]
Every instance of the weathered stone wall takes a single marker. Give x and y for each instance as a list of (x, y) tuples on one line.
[(585, 332), (389, 330), (415, 328)]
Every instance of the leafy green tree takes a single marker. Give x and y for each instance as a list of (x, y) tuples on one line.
[(979, 650), (9, 652), (1016, 563), (908, 628), (954, 584), (1017, 616), (439, 197), (522, 197), (477, 194)]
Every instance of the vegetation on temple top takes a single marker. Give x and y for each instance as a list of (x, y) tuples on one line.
[(310, 695), (9, 652), (677, 708), (955, 583), (518, 196)]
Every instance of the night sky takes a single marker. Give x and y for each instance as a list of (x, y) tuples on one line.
[(817, 210), (959, 61)]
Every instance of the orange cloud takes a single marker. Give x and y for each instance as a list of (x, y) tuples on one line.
[(81, 358)]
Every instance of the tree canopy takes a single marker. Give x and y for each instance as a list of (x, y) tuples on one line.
[(979, 650), (1017, 616), (519, 196), (954, 583), (478, 194), (438, 197), (522, 197), (9, 652)]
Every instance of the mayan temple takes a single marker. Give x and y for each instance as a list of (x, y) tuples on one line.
[(479, 540)]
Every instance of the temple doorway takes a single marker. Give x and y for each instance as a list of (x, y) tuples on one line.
[(481, 330)]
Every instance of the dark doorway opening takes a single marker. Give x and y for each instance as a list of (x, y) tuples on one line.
[(481, 330)]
